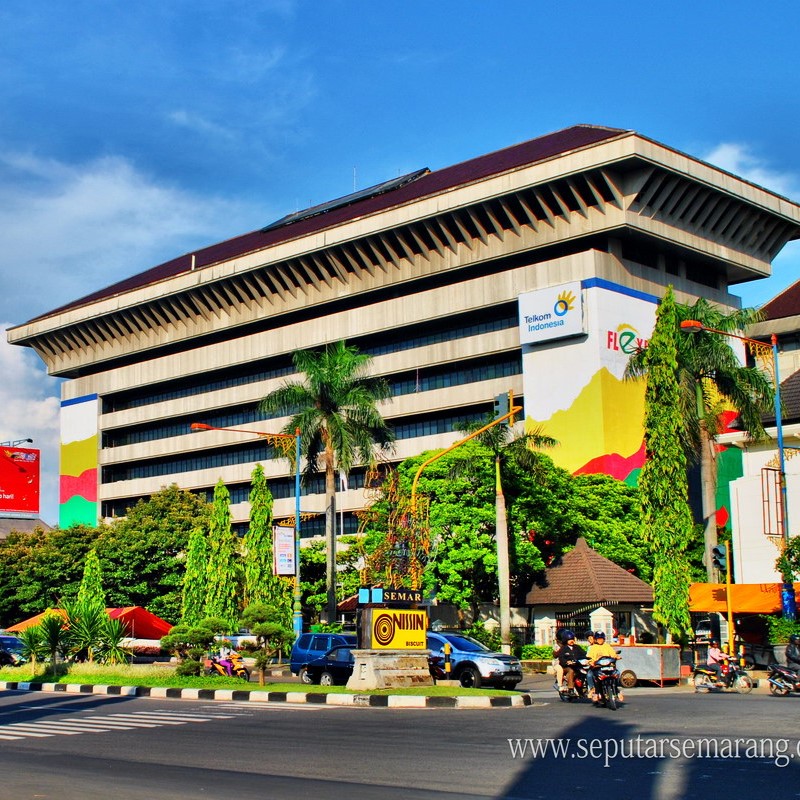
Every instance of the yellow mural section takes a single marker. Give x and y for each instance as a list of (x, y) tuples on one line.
[(605, 419)]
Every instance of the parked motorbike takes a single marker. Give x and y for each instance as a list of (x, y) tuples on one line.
[(606, 677), (732, 678), (782, 680), (232, 666), (578, 691)]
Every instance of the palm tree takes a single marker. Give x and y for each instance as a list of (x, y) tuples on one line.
[(710, 376), (335, 409), (504, 446)]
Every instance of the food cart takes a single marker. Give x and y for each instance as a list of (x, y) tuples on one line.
[(658, 663)]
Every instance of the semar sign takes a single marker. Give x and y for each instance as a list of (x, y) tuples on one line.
[(396, 629), (19, 481)]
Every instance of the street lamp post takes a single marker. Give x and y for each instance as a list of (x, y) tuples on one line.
[(281, 439), (693, 326)]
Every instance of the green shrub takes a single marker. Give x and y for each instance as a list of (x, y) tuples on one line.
[(780, 628), (189, 667), (537, 652)]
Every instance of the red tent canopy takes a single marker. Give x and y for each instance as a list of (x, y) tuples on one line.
[(139, 622)]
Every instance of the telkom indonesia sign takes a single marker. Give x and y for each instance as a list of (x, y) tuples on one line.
[(19, 481), (553, 313)]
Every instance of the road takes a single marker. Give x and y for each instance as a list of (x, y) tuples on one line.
[(85, 747)]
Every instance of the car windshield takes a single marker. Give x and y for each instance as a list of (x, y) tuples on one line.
[(465, 643)]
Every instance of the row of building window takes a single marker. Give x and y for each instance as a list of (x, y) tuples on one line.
[(260, 451), (421, 381), (459, 327)]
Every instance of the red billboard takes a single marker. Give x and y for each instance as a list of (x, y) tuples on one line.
[(19, 481)]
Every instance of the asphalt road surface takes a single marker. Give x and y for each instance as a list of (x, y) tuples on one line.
[(657, 745)]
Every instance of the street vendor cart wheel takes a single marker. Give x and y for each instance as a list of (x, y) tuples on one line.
[(628, 678)]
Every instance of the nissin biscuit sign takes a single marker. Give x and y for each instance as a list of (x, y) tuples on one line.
[(553, 313), (392, 629)]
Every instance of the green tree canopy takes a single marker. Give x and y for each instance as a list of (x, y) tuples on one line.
[(666, 517), (335, 407)]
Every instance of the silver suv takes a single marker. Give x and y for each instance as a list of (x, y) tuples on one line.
[(472, 663)]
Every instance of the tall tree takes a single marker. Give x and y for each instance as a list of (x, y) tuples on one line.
[(261, 585), (711, 378), (666, 517), (91, 589), (222, 580), (335, 408), (195, 580), (503, 447)]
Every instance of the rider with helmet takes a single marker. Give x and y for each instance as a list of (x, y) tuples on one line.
[(793, 653), (598, 650), (715, 658), (569, 656)]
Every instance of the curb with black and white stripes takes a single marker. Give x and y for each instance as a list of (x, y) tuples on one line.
[(308, 698)]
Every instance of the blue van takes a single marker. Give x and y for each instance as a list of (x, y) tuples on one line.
[(313, 645)]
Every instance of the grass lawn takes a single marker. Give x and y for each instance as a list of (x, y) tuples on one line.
[(164, 676)]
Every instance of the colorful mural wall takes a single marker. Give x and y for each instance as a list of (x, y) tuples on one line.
[(573, 373), (79, 460)]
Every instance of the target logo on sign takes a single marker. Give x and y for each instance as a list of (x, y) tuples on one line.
[(383, 629)]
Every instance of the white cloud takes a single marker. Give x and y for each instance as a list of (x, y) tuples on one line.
[(740, 160), (30, 403), (68, 230)]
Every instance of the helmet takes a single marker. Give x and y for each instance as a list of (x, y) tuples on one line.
[(713, 642), (794, 638), (565, 635), (599, 635)]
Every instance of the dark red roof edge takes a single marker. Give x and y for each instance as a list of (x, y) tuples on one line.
[(515, 156)]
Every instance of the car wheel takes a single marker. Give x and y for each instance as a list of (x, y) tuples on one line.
[(749, 662), (304, 676), (326, 679), (470, 678), (628, 679)]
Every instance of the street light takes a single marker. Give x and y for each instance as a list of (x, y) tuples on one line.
[(281, 440), (694, 326)]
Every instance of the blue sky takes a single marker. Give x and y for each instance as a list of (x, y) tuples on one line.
[(134, 132)]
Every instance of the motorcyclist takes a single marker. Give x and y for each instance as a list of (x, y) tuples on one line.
[(569, 656), (716, 658), (598, 650), (793, 654)]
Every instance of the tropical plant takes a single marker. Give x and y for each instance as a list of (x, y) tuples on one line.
[(222, 586), (261, 585), (56, 637), (195, 579), (503, 445), (91, 588), (85, 620), (335, 408), (666, 517), (110, 648), (33, 647), (711, 378)]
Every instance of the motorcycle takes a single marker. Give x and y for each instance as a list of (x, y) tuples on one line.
[(578, 691), (232, 666), (606, 677), (782, 680), (732, 677)]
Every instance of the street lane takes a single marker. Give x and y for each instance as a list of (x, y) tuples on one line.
[(250, 751)]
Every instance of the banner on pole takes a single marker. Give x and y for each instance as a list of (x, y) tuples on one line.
[(283, 550)]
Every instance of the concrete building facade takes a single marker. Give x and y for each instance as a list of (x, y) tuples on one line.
[(441, 277)]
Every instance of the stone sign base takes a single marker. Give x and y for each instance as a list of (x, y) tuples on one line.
[(385, 669)]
